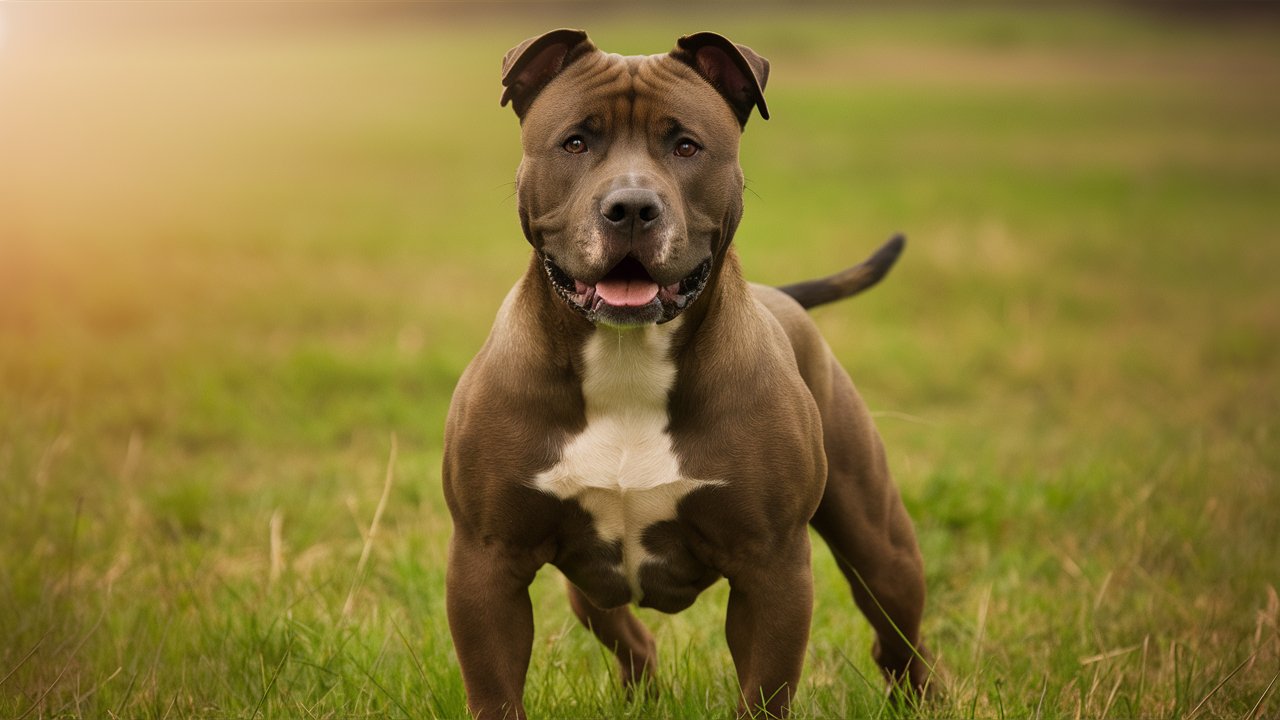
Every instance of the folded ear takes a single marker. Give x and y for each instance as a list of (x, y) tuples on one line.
[(529, 66), (735, 70)]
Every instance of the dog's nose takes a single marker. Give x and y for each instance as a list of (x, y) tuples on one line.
[(627, 206)]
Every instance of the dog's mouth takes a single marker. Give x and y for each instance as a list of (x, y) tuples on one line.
[(627, 295)]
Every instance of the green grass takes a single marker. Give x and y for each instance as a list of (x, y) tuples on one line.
[(237, 259)]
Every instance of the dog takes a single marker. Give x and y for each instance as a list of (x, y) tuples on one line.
[(644, 419)]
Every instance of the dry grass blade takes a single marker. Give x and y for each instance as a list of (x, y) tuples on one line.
[(984, 606), (1109, 654), (1044, 690), (70, 661), (373, 531), (277, 546), (78, 699), (275, 675), (24, 659), (1257, 707), (1195, 710)]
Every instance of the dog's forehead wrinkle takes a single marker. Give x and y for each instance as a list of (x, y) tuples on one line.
[(620, 94)]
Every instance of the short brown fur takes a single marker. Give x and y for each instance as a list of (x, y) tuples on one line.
[(759, 402)]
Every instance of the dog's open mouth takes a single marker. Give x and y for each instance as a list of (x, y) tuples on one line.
[(627, 295)]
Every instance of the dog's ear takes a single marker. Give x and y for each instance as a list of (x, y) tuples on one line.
[(735, 70), (529, 66)]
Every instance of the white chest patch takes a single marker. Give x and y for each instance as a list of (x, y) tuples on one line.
[(621, 467)]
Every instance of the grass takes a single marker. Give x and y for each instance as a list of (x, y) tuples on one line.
[(240, 262)]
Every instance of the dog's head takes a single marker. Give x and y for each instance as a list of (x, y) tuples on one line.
[(630, 189)]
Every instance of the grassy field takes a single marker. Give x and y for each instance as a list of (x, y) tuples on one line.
[(242, 265)]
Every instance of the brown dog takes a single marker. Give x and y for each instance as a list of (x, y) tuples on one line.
[(643, 418)]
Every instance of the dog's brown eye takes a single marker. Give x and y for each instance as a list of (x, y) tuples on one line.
[(575, 145), (686, 148)]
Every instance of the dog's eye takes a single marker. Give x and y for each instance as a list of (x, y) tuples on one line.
[(575, 145), (687, 148)]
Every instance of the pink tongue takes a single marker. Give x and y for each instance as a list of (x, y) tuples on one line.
[(627, 293)]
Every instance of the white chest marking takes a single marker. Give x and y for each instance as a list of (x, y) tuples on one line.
[(621, 467)]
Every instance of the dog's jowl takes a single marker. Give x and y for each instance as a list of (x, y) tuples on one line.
[(643, 418)]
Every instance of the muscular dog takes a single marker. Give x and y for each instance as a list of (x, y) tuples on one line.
[(643, 418)]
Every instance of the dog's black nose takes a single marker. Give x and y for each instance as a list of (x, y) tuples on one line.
[(626, 206)]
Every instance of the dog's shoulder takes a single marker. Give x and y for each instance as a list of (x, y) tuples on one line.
[(813, 356)]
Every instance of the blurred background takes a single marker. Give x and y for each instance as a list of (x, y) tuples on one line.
[(243, 246)]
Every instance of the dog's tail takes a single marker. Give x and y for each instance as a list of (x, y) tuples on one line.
[(851, 281)]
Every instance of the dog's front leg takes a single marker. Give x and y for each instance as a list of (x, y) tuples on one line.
[(491, 619), (767, 626)]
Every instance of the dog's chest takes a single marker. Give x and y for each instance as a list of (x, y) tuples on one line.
[(621, 467)]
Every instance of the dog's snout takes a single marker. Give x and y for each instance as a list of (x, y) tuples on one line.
[(627, 206)]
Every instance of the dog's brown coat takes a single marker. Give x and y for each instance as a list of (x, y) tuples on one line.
[(759, 403)]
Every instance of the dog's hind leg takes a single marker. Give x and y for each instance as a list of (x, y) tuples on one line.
[(863, 520), (623, 634)]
